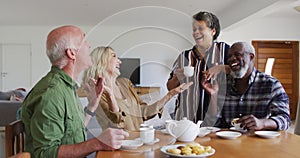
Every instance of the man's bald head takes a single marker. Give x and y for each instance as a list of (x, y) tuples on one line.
[(60, 39)]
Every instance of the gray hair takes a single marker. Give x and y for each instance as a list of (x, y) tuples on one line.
[(56, 48), (246, 46)]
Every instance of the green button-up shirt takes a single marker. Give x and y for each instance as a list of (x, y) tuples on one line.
[(53, 115)]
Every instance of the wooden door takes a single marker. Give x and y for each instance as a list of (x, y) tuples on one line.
[(15, 66), (285, 68)]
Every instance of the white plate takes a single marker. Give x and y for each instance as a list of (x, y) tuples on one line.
[(267, 134), (228, 134), (153, 142), (203, 132), (164, 150), (149, 143), (240, 129), (131, 144), (211, 129)]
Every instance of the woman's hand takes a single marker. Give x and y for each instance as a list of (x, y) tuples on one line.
[(214, 71), (180, 88), (113, 106), (179, 74), (210, 86), (173, 92), (94, 90)]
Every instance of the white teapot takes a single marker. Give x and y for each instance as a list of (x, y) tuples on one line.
[(184, 130)]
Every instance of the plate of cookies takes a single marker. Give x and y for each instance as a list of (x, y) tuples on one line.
[(190, 150)]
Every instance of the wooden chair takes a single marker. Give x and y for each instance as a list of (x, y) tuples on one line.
[(14, 137)]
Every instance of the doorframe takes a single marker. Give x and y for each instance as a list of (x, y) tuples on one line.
[(29, 66), (295, 52)]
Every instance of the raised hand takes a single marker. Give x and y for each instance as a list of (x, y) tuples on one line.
[(214, 71), (211, 88), (180, 88), (94, 90), (179, 74)]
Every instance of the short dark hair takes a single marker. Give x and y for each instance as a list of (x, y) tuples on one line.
[(211, 21)]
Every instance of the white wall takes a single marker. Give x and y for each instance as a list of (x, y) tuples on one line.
[(157, 41), (139, 33), (34, 35), (282, 28)]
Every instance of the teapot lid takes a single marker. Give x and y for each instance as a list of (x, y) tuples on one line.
[(189, 122), (185, 120)]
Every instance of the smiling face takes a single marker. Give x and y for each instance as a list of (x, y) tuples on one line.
[(239, 61), (203, 35), (113, 65)]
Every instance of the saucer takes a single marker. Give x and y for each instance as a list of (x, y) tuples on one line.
[(267, 134), (211, 129), (203, 132), (149, 143), (131, 144), (228, 134), (240, 129), (153, 142)]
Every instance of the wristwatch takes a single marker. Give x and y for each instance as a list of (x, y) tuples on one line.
[(86, 110)]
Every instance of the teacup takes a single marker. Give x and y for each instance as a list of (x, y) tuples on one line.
[(144, 125), (147, 134), (235, 124), (188, 71)]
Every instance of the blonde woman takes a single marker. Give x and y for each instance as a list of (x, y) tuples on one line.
[(120, 105)]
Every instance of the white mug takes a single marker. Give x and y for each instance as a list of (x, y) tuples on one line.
[(188, 71), (143, 125), (235, 124), (147, 134)]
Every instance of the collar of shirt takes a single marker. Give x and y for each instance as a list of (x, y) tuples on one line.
[(66, 78), (207, 53), (250, 81)]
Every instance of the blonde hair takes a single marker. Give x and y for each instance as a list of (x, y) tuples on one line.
[(100, 56)]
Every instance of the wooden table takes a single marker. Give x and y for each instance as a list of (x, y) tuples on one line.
[(246, 146)]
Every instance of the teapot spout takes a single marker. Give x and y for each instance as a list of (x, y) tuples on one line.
[(199, 123)]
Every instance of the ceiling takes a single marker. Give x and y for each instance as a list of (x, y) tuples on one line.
[(91, 12)]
